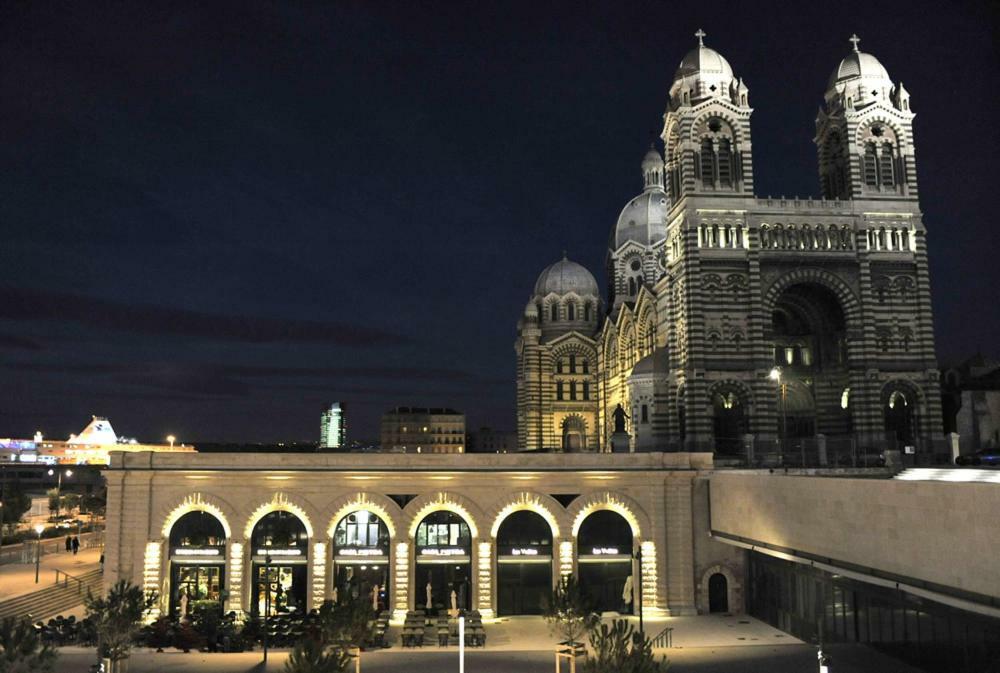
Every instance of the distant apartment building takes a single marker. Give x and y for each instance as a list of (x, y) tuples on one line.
[(421, 430), (488, 440), (333, 427)]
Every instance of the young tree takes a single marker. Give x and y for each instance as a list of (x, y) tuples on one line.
[(569, 611), (20, 649), (53, 500), (615, 651), (117, 618)]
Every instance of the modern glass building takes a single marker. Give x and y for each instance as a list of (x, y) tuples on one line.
[(333, 427)]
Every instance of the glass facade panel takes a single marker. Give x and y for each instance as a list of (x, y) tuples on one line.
[(936, 637)]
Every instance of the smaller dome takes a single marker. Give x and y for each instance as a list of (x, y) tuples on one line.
[(703, 60), (652, 159), (643, 366), (643, 219), (564, 277), (702, 73)]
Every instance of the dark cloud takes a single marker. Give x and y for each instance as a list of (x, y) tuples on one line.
[(15, 342), (33, 304)]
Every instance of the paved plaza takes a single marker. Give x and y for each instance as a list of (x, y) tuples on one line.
[(706, 644)]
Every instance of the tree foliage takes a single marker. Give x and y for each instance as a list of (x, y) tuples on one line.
[(21, 650), (616, 651), (15, 504), (117, 618), (569, 611)]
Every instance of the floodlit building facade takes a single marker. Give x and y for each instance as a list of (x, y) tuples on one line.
[(734, 322), (333, 427), (423, 430)]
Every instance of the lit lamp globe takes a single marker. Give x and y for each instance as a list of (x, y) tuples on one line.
[(171, 439), (39, 528), (775, 374)]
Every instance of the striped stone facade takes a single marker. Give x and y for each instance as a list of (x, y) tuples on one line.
[(833, 292)]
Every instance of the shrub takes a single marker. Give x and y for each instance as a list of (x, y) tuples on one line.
[(21, 650), (116, 618), (616, 651), (311, 656)]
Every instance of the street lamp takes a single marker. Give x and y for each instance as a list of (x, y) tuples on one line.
[(775, 375), (69, 473), (171, 439), (38, 549), (638, 557)]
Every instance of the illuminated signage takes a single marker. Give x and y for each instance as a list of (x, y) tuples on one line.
[(279, 552), (360, 552), (604, 551), (188, 551), (524, 552), (445, 551)]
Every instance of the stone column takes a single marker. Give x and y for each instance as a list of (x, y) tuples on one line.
[(821, 448)]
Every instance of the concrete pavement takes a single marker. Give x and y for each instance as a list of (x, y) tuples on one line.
[(17, 579)]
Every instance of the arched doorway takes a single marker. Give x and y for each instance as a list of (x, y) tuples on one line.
[(443, 563), (524, 563), (604, 556), (361, 559), (729, 419), (809, 339), (718, 593), (899, 414), (197, 561), (280, 552), (574, 434)]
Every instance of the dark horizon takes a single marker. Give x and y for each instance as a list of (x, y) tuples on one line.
[(221, 218)]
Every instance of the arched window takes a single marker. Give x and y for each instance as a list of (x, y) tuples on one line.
[(555, 311), (885, 167), (871, 169), (707, 163), (645, 413), (586, 366), (586, 312), (572, 390), (571, 311), (631, 287), (725, 163), (559, 390), (572, 364), (586, 390)]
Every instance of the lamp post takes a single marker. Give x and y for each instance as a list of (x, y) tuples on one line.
[(775, 375), (69, 473), (38, 549)]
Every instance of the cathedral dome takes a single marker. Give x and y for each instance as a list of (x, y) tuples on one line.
[(643, 219), (564, 277), (860, 68)]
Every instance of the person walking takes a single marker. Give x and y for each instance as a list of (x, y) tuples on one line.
[(76, 545), (69, 543)]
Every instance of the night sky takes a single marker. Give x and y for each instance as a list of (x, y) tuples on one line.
[(216, 219)]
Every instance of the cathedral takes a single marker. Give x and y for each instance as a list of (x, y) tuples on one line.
[(736, 323)]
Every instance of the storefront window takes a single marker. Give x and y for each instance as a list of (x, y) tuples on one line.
[(197, 562)]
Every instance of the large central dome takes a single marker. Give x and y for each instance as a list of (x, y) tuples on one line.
[(564, 277)]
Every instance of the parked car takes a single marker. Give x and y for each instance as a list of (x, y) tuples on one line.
[(981, 457)]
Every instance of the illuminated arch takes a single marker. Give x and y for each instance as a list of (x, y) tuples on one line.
[(383, 507), (196, 502), (620, 504), (278, 503), (420, 507), (845, 296), (544, 505)]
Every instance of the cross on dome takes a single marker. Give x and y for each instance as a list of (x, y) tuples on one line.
[(700, 34), (854, 39)]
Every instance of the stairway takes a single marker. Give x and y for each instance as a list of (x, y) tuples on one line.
[(52, 600)]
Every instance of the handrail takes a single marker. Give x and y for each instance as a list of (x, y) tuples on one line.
[(79, 582), (664, 638)]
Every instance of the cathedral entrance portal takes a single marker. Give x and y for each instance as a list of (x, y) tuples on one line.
[(729, 422), (898, 412), (574, 434)]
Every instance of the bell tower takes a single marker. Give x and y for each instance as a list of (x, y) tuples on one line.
[(706, 130), (864, 133)]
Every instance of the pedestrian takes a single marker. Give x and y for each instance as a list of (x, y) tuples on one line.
[(69, 543), (102, 561), (76, 545)]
